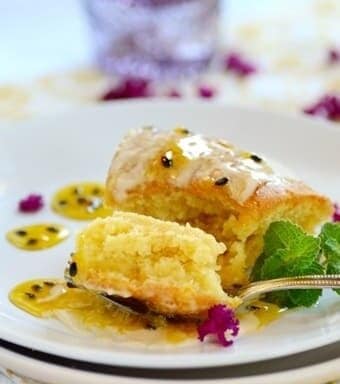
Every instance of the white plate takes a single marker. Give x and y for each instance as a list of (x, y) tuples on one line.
[(44, 155)]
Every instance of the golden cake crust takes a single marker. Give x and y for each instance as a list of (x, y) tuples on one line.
[(190, 185)]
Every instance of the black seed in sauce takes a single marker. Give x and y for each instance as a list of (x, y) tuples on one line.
[(62, 202), (75, 191), (184, 131), (96, 191), (49, 283), (252, 307), (70, 285), (21, 232), (73, 269), (167, 160), (52, 229), (36, 287), (30, 295), (82, 200), (222, 181), (256, 158), (150, 326), (32, 241)]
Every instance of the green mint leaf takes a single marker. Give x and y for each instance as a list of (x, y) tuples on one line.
[(330, 244), (306, 297), (289, 251), (290, 237), (280, 298), (257, 269), (330, 239), (274, 266), (280, 235)]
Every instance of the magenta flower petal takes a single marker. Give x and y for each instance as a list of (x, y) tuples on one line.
[(220, 320), (333, 56), (31, 203), (223, 340), (174, 93), (236, 63), (206, 92), (328, 107), (336, 214), (127, 89)]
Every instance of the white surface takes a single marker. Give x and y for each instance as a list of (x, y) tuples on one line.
[(41, 36), (58, 375), (49, 153)]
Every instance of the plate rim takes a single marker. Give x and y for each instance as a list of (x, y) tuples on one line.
[(165, 104), (161, 103), (280, 365)]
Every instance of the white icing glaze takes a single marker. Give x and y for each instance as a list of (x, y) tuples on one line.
[(129, 163), (207, 159)]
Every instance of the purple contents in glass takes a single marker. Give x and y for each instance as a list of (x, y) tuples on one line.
[(154, 39)]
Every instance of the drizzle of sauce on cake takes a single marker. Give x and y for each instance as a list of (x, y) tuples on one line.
[(37, 236), (82, 201), (193, 158)]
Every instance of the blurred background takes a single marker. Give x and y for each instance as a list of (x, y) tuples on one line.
[(282, 55)]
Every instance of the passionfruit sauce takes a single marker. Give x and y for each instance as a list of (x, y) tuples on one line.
[(50, 298), (46, 298), (37, 236), (81, 201)]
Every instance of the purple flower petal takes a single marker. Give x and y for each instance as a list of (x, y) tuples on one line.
[(328, 107), (220, 320), (206, 92), (333, 56), (336, 214), (31, 203), (127, 89), (236, 63), (174, 93)]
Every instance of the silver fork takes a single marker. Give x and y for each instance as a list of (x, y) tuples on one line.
[(248, 291), (284, 283)]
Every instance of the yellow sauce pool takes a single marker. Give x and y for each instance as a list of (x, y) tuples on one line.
[(264, 312), (82, 201), (37, 236), (45, 297)]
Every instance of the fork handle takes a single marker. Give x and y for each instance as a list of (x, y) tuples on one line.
[(284, 283)]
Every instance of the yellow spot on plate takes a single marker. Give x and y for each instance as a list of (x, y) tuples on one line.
[(37, 236), (82, 201), (264, 312)]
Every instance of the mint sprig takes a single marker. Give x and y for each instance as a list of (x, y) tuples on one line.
[(288, 251), (330, 243)]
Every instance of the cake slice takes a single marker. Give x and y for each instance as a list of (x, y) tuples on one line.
[(168, 268), (213, 185)]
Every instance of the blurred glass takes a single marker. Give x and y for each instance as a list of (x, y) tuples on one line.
[(154, 39)]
